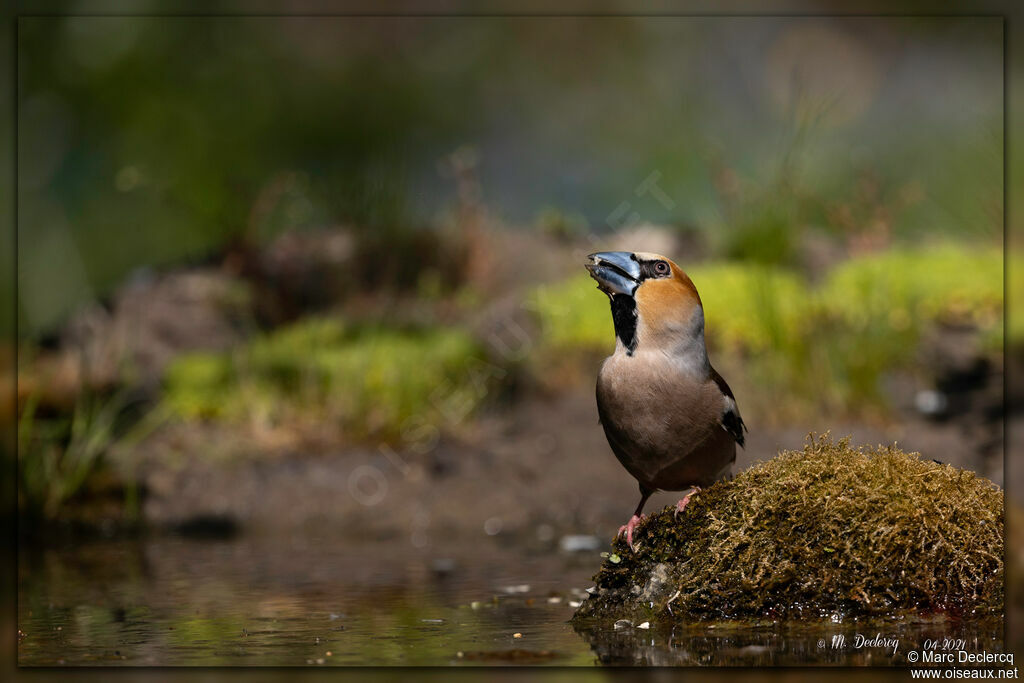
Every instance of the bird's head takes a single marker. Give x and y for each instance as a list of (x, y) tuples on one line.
[(654, 303)]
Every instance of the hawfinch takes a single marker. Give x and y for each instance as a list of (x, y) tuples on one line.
[(670, 418)]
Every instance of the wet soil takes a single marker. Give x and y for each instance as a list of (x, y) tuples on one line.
[(534, 473)]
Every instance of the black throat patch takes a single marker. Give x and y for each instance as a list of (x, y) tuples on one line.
[(624, 318)]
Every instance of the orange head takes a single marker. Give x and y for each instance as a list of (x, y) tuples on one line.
[(654, 303)]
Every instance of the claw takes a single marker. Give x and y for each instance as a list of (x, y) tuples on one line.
[(681, 505), (628, 528)]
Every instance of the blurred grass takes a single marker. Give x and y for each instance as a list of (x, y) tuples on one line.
[(946, 282), (829, 344), (367, 382), (58, 456)]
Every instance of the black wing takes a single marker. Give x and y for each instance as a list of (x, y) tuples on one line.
[(731, 420)]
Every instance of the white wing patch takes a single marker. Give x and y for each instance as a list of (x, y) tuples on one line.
[(731, 420)]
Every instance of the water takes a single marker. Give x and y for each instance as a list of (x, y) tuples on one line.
[(318, 602)]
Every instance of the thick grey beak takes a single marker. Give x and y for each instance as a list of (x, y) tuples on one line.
[(616, 272)]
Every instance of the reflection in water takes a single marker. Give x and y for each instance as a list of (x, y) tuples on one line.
[(305, 601), (731, 644), (169, 601)]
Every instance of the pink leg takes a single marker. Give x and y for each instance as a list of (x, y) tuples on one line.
[(681, 505), (628, 528), (637, 517)]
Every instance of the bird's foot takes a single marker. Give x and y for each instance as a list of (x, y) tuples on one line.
[(681, 505), (628, 529)]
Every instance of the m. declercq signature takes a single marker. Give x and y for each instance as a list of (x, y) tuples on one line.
[(862, 641)]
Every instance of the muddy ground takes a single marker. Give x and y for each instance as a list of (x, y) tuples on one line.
[(537, 473)]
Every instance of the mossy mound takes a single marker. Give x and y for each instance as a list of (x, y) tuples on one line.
[(367, 381), (830, 530)]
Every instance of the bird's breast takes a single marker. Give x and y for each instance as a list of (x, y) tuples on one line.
[(658, 417)]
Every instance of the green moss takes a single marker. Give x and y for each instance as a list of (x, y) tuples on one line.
[(750, 307), (763, 304), (902, 287), (363, 381), (870, 313), (833, 342), (572, 315), (194, 382), (829, 530)]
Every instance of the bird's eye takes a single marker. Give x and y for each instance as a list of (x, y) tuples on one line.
[(661, 268)]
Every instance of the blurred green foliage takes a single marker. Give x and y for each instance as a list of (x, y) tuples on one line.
[(57, 456), (763, 234), (364, 381), (173, 137), (904, 286), (60, 456), (561, 225), (830, 343), (748, 308)]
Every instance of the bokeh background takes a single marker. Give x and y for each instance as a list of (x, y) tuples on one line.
[(322, 277)]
